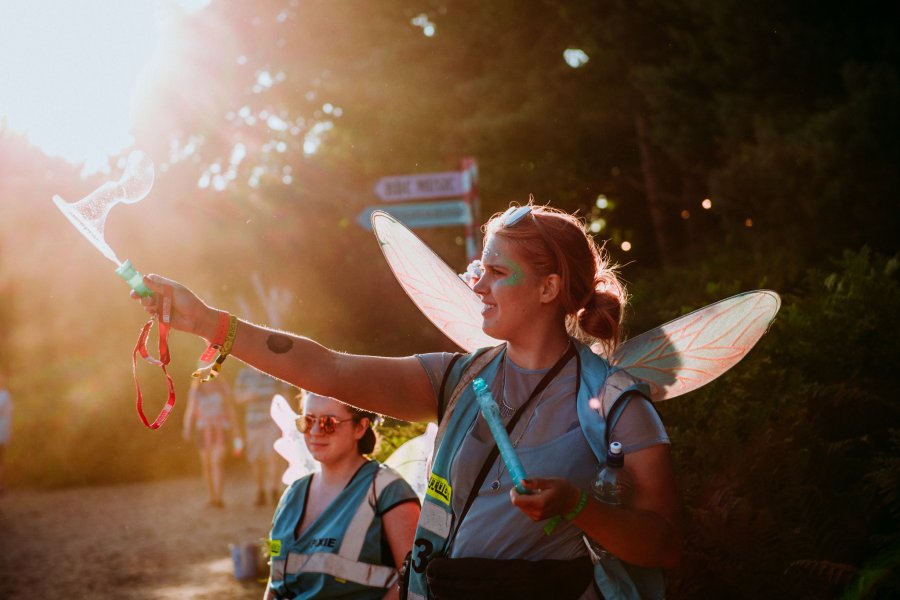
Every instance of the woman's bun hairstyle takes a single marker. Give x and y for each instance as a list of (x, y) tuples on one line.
[(369, 441)]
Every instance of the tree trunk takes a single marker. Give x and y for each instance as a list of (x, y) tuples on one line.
[(655, 195)]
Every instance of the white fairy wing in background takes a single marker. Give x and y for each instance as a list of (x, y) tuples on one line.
[(444, 298), (290, 445), (412, 460), (690, 351)]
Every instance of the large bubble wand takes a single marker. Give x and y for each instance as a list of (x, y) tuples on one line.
[(88, 215)]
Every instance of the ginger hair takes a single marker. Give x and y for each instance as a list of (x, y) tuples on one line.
[(555, 242)]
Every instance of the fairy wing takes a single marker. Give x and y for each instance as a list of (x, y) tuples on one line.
[(290, 445), (412, 459), (692, 350), (432, 285), (673, 359)]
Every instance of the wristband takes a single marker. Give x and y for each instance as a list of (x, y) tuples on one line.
[(579, 506), (582, 502), (218, 338), (224, 349), (228, 342)]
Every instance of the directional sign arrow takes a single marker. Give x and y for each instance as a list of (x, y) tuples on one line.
[(422, 215)]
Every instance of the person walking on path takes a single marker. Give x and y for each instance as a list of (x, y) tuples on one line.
[(211, 422), (6, 413), (253, 391)]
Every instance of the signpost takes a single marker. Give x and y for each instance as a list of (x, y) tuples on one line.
[(420, 187), (422, 215), (459, 204)]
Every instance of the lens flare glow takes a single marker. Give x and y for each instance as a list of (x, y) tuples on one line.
[(70, 69)]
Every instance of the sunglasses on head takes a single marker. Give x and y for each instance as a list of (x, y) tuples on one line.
[(514, 214), (327, 423)]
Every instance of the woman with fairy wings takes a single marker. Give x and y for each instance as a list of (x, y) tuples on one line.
[(544, 290)]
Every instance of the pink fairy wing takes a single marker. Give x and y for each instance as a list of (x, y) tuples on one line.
[(432, 285), (694, 349)]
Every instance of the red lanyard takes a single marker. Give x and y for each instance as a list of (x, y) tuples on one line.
[(164, 318)]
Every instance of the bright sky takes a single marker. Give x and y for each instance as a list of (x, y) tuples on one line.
[(68, 71)]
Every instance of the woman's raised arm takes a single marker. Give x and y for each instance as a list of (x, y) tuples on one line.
[(398, 387)]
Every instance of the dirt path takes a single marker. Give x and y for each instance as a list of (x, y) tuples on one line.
[(136, 541)]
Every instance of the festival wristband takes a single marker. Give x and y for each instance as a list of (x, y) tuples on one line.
[(218, 338), (224, 349), (582, 502), (579, 506)]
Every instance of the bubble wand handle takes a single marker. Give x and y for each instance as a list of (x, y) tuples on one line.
[(491, 414), (133, 278)]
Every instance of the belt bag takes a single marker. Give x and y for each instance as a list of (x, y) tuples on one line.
[(452, 578)]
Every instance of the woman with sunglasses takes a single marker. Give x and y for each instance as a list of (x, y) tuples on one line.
[(341, 531), (547, 292)]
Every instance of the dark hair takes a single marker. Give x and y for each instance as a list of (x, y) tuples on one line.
[(591, 295), (367, 443)]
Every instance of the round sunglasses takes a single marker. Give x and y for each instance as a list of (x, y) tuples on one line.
[(327, 423)]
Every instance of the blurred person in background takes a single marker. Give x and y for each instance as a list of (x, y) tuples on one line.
[(6, 412), (210, 420), (253, 392)]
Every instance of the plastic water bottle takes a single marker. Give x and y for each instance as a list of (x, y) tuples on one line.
[(612, 486)]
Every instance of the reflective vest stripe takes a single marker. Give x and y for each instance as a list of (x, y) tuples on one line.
[(355, 536), (435, 519), (338, 566)]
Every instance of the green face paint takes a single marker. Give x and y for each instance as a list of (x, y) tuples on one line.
[(516, 274), (492, 255)]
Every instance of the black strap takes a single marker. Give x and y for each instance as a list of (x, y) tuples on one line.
[(492, 456)]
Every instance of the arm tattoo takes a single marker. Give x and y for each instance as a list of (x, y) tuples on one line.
[(279, 344)]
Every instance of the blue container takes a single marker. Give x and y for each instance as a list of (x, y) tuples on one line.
[(245, 558)]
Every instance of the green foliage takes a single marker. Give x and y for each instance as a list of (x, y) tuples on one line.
[(788, 462), (393, 433)]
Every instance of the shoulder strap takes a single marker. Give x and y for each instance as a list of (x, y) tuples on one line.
[(479, 361)]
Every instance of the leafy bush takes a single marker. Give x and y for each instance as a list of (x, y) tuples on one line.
[(788, 463)]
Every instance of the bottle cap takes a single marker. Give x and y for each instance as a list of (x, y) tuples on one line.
[(614, 456)]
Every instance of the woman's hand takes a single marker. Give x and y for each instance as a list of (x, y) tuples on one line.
[(548, 498), (187, 313)]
